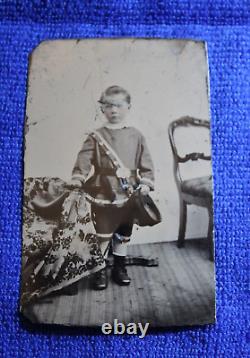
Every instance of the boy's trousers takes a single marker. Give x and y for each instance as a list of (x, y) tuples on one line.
[(113, 223)]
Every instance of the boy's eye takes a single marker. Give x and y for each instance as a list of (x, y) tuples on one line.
[(107, 106)]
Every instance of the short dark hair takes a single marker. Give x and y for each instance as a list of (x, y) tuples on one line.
[(115, 90)]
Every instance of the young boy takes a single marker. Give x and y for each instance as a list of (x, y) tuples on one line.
[(111, 208)]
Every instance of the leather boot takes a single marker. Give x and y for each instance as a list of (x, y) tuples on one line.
[(119, 272), (100, 280)]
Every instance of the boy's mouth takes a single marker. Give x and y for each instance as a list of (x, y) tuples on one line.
[(115, 118)]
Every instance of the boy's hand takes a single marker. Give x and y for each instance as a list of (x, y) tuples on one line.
[(74, 183), (144, 189)]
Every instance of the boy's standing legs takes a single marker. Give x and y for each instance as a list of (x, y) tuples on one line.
[(109, 224)]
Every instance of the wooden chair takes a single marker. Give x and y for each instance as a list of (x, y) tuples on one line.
[(197, 191)]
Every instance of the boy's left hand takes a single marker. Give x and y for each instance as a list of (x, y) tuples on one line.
[(144, 189)]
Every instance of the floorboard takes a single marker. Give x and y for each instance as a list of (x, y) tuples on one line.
[(180, 291)]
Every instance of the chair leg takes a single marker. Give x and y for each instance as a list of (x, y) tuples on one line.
[(182, 224), (210, 235)]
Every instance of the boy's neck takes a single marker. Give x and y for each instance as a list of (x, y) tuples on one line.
[(120, 125)]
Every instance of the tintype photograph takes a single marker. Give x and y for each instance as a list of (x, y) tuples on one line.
[(117, 192)]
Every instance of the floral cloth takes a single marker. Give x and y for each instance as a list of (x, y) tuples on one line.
[(58, 249)]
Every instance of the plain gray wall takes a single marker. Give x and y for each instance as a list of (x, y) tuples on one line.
[(166, 79)]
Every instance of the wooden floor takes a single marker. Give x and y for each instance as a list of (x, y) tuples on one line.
[(180, 291)]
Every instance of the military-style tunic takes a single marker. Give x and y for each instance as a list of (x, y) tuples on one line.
[(103, 189)]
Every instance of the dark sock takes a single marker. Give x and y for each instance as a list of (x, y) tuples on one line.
[(119, 260)]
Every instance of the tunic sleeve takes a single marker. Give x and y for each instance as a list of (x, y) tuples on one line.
[(84, 161), (146, 166)]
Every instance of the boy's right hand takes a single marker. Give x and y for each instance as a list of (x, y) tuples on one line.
[(74, 183)]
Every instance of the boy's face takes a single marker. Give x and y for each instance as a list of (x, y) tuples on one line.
[(115, 108)]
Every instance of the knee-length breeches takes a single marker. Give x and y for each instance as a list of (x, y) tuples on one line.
[(112, 219)]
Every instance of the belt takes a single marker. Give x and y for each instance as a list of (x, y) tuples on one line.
[(111, 171)]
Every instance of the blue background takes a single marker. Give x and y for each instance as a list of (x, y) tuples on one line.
[(225, 27)]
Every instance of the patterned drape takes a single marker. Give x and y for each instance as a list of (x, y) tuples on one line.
[(59, 242)]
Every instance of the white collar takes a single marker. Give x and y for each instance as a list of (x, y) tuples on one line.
[(121, 125)]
